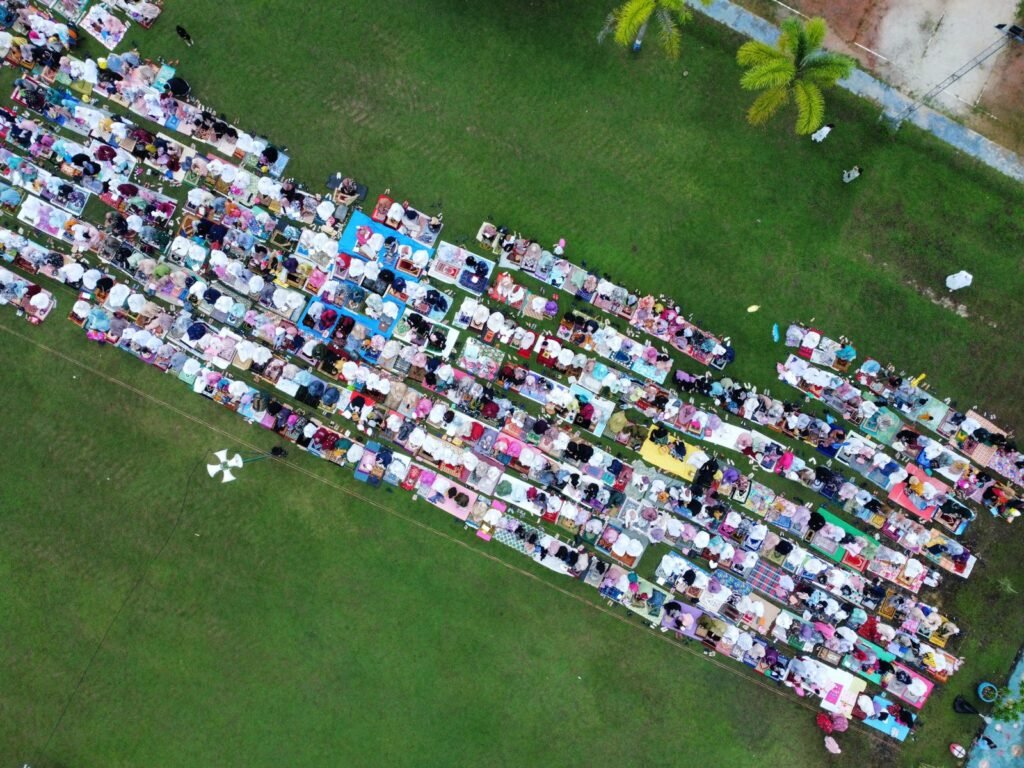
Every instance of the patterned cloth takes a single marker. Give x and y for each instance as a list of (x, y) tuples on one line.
[(764, 577)]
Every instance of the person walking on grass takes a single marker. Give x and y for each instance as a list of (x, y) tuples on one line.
[(819, 135), (184, 35), (851, 174)]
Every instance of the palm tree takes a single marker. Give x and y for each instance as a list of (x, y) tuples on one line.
[(631, 18), (797, 69)]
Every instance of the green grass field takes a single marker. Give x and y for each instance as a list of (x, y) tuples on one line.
[(280, 620)]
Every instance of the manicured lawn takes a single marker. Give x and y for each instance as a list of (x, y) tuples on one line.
[(302, 626)]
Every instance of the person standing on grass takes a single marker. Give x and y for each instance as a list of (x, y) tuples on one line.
[(851, 174), (184, 35), (819, 135)]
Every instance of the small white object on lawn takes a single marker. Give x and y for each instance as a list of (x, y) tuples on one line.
[(961, 279)]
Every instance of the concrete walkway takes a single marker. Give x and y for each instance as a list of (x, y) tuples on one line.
[(889, 99)]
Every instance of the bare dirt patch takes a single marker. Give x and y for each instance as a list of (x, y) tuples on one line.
[(1001, 116), (916, 44)]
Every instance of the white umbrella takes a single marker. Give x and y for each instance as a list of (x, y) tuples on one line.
[(960, 280)]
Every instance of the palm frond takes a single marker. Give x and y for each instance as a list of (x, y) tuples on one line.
[(608, 28), (825, 69), (792, 38), (754, 53), (814, 33), (684, 15), (767, 105), (810, 107), (668, 33), (772, 74), (629, 17)]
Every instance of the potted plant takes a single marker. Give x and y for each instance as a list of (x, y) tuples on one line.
[(988, 692), (1008, 707)]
